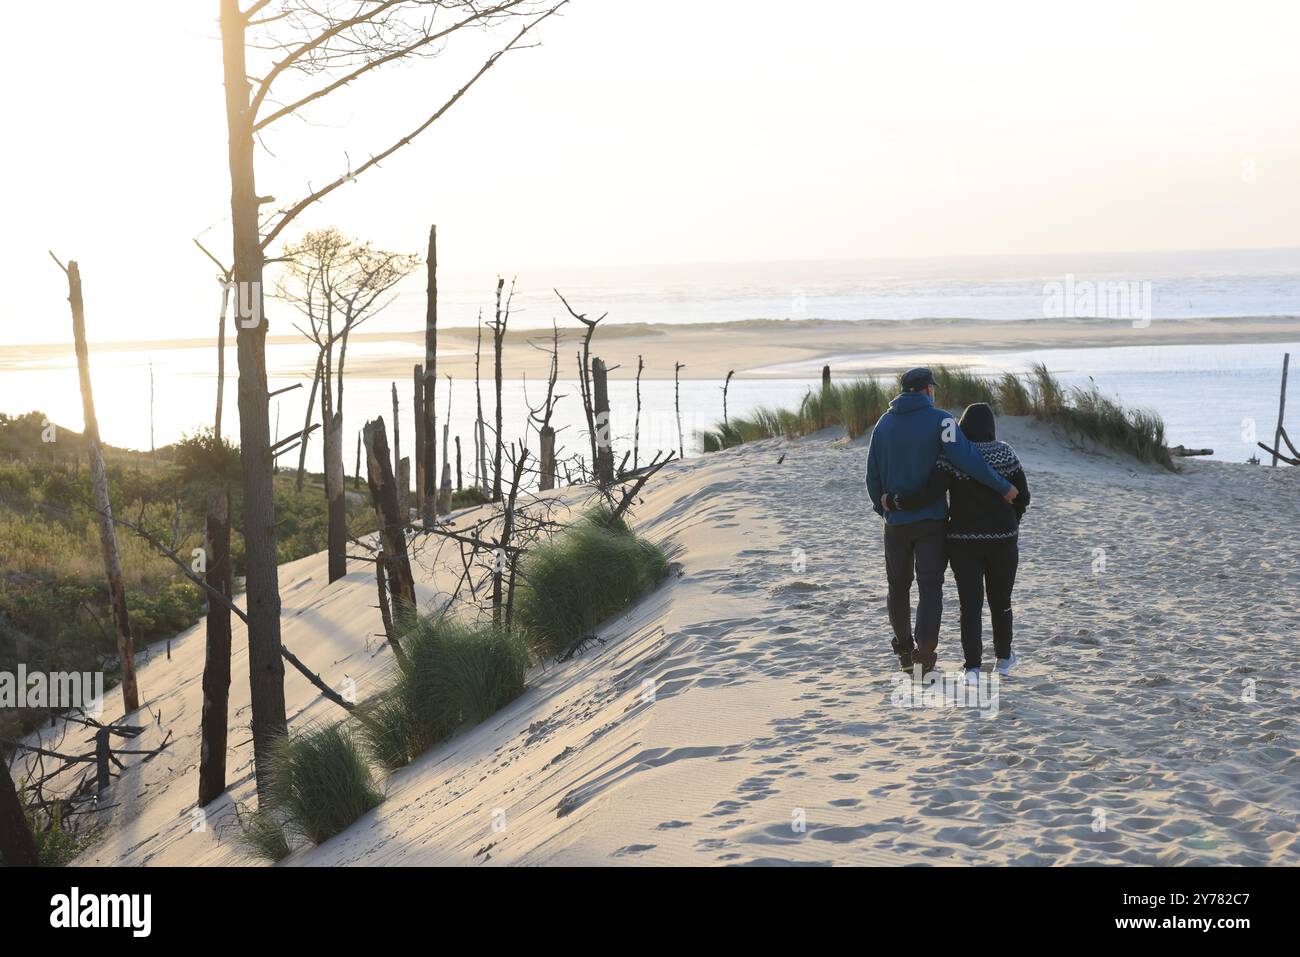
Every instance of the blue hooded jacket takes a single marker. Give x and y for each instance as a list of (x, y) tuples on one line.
[(905, 444)]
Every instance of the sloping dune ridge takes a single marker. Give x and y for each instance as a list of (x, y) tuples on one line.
[(744, 713)]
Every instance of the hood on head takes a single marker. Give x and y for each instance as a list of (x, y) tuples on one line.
[(910, 402)]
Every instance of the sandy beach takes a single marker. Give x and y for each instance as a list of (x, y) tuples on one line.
[(744, 713), (757, 348)]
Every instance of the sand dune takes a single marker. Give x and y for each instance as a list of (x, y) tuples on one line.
[(743, 714)]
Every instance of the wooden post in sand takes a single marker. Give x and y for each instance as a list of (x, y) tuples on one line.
[(99, 489), (677, 403), (216, 664), (725, 386), (444, 487), (1281, 408), (826, 379), (546, 480), (600, 409), (392, 536)]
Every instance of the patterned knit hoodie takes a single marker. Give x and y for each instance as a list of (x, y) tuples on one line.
[(975, 512)]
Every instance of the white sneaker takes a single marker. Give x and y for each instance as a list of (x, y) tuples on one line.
[(972, 676), (1005, 665)]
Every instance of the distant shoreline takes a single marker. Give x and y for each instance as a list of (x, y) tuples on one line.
[(751, 346)]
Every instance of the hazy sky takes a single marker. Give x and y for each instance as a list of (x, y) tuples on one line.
[(671, 132)]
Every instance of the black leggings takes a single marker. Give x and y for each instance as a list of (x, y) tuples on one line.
[(980, 567)]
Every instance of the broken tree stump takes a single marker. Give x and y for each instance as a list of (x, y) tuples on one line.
[(392, 533)]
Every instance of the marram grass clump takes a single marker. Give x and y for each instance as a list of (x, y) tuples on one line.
[(857, 405), (263, 836), (319, 784), (581, 577), (456, 673)]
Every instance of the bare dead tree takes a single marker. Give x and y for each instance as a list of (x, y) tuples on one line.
[(329, 47), (584, 367), (480, 451), (306, 422), (726, 384), (499, 323), (337, 284), (417, 391), (223, 278), (429, 506), (636, 430), (99, 486), (541, 416)]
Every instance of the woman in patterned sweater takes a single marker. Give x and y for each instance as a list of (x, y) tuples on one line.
[(983, 529)]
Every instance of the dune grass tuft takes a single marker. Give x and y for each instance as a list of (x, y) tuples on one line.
[(263, 836), (319, 784), (854, 405), (581, 577), (1138, 432), (457, 673)]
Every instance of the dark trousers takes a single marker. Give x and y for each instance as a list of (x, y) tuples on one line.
[(915, 550), (984, 568)]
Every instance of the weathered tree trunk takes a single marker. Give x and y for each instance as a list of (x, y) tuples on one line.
[(404, 488), (498, 341), (356, 471), (459, 477), (636, 430), (546, 481), (397, 450), (500, 561), (418, 405), (306, 422), (99, 490), (17, 845), (336, 497), (677, 404), (216, 666), (392, 534), (600, 408), (265, 664), (221, 361), (480, 449), (428, 507), (725, 386)]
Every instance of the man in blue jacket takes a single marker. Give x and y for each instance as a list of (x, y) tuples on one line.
[(905, 444)]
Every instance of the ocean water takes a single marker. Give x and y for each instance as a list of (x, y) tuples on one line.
[(1181, 285), (1221, 397), (1210, 396)]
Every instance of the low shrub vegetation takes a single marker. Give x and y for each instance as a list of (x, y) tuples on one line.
[(54, 612)]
